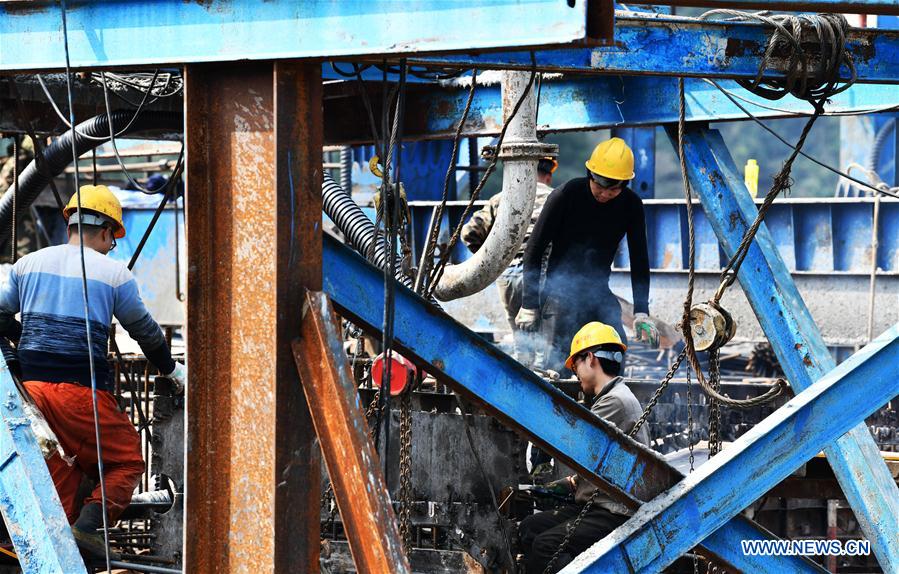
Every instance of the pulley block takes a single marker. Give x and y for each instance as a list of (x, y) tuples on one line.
[(402, 373), (711, 325)]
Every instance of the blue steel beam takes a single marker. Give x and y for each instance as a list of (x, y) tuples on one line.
[(800, 348), (684, 47), (151, 32), (665, 528), (522, 400), (28, 501), (579, 104), (841, 6)]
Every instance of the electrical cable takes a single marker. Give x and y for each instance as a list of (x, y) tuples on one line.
[(112, 135), (802, 153), (67, 122), (86, 301)]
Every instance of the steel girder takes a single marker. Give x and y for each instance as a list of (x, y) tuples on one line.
[(522, 400), (800, 348), (844, 6), (150, 32), (662, 530), (30, 506), (664, 45), (586, 103)]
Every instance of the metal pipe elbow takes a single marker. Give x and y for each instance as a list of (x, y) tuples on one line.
[(520, 152)]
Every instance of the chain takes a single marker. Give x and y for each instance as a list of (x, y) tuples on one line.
[(655, 397), (406, 470), (714, 405), (15, 195)]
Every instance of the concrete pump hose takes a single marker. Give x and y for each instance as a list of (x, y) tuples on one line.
[(519, 155), (58, 155)]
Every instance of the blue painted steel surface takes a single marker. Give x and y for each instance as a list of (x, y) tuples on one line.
[(28, 501), (592, 103), (844, 6), (685, 47), (663, 529), (643, 142), (520, 399), (800, 349), (142, 32), (154, 270)]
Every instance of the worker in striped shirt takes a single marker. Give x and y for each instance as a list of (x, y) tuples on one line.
[(45, 287)]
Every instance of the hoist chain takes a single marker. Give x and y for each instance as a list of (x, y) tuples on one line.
[(714, 405), (406, 470), (658, 394)]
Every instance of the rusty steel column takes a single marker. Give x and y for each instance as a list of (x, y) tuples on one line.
[(253, 134), (359, 489)]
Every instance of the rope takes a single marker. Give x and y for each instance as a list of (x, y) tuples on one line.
[(431, 244), (445, 255), (830, 32), (686, 327)]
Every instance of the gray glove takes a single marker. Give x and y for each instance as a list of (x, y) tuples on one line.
[(528, 319)]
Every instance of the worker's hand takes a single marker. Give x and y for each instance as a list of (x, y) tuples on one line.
[(528, 319), (645, 330), (563, 487), (178, 377)]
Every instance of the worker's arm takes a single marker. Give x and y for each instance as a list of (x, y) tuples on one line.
[(639, 255), (476, 230), (133, 315), (9, 306), (546, 227)]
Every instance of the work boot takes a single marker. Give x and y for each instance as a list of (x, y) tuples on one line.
[(87, 532)]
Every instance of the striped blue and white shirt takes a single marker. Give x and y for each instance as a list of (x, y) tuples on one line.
[(46, 287)]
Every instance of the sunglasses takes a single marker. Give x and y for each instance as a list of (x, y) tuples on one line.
[(604, 182)]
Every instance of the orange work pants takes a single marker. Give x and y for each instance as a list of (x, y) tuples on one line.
[(69, 412)]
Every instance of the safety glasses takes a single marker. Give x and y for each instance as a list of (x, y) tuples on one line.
[(604, 182)]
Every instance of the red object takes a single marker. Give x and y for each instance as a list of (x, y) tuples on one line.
[(402, 373), (69, 412)]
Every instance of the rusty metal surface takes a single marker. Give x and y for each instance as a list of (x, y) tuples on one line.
[(359, 488), (252, 468)]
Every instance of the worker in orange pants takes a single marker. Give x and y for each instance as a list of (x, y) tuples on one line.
[(62, 365), (69, 412)]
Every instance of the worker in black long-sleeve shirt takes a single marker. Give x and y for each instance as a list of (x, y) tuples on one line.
[(584, 221)]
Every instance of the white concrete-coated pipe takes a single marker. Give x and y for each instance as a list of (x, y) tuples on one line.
[(520, 152)]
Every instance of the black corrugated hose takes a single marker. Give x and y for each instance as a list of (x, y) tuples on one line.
[(58, 155)]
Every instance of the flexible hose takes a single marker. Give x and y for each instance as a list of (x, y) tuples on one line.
[(356, 226), (58, 155), (879, 141)]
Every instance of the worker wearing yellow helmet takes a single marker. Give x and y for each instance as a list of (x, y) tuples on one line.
[(584, 221), (595, 356), (55, 359)]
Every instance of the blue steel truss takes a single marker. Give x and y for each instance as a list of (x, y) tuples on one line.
[(31, 509)]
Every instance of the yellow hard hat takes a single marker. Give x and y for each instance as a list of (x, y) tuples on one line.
[(592, 335), (613, 159), (99, 199)]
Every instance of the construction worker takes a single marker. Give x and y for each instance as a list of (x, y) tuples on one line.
[(596, 356), (475, 232), (46, 288), (584, 221), (26, 237)]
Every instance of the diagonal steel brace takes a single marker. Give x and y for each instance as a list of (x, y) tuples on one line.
[(523, 401), (797, 341), (665, 528)]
